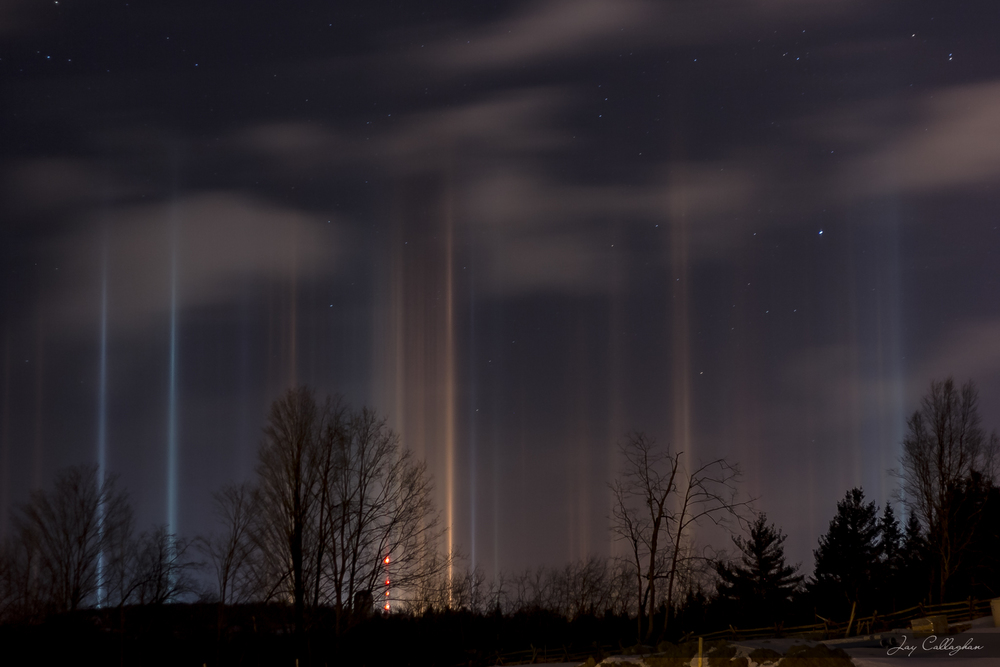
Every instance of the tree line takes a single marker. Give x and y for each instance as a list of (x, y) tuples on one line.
[(868, 561), (336, 509), (338, 525)]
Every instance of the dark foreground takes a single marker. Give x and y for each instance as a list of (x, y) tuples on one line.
[(188, 634)]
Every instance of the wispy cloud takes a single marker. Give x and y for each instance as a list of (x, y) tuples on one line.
[(565, 29), (950, 140), (64, 184), (224, 242)]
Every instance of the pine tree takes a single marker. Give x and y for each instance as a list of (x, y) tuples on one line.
[(761, 583), (915, 562), (847, 557), (890, 560), (944, 450), (976, 513)]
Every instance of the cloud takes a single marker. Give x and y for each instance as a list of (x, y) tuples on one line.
[(15, 16), (858, 410), (952, 141), (224, 242), (517, 121), (561, 29), (544, 229), (543, 234), (508, 122), (549, 29), (968, 350), (63, 183), (297, 144)]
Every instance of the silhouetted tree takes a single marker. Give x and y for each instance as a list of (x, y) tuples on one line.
[(656, 503), (237, 507), (593, 586), (889, 572), (161, 568), (380, 507), (289, 462), (847, 557), (977, 500), (338, 496), (760, 583), (944, 446), (20, 598), (63, 532), (915, 563)]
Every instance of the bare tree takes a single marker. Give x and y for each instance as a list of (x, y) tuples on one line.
[(64, 532), (945, 447), (161, 568), (229, 553), (288, 461), (584, 587), (381, 508), (20, 599), (657, 502), (119, 556), (338, 497)]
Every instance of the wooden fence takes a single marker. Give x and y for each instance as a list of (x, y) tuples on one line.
[(956, 612)]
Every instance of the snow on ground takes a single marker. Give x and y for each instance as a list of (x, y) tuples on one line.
[(981, 648), (982, 640)]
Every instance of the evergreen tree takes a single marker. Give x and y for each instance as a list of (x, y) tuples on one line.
[(847, 557), (761, 583), (890, 560), (976, 513), (944, 451), (915, 564)]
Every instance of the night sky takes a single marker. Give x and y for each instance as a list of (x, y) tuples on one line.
[(755, 229)]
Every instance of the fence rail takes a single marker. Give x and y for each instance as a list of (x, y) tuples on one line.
[(956, 612), (544, 654)]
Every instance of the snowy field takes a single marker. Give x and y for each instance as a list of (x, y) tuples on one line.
[(980, 647)]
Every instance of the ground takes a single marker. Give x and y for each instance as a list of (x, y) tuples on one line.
[(981, 642)]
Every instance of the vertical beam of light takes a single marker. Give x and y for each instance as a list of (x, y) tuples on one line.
[(577, 480), (889, 358), (851, 473), (422, 329), (102, 406), (39, 450), (102, 372), (449, 392), (5, 440), (616, 323), (293, 311), (522, 441), (896, 370), (172, 446), (243, 421), (680, 320), (398, 333), (680, 361), (172, 391), (473, 444)]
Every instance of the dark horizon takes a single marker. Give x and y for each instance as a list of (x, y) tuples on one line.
[(518, 230)]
